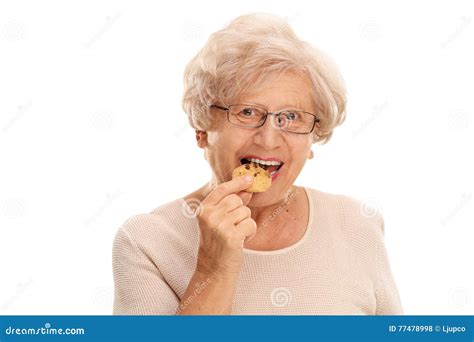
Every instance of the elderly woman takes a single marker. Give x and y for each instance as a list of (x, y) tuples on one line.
[(256, 94)]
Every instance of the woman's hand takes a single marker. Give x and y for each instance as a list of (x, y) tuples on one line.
[(225, 223)]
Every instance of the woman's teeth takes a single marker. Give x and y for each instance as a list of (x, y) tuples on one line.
[(273, 165), (265, 162)]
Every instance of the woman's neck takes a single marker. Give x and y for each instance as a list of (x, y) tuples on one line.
[(279, 224)]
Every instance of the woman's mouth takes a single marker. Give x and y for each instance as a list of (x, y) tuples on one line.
[(273, 166)]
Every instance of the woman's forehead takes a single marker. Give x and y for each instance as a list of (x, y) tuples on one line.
[(274, 100), (289, 89)]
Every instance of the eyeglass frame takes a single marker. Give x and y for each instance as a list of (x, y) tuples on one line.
[(277, 114)]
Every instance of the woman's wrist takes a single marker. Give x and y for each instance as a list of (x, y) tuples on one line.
[(206, 268), (208, 294), (221, 276)]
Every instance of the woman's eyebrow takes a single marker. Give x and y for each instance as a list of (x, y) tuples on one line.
[(288, 105), (292, 106)]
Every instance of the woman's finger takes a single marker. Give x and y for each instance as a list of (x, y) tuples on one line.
[(245, 196), (230, 203), (247, 227), (231, 187)]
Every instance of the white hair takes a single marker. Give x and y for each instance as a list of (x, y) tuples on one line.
[(246, 51)]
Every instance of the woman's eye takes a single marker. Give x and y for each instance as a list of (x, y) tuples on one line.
[(247, 112), (291, 116)]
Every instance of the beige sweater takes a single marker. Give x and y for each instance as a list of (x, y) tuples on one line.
[(339, 267)]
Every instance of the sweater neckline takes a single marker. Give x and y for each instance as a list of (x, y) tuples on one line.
[(297, 243)]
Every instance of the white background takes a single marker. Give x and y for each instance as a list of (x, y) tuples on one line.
[(90, 110)]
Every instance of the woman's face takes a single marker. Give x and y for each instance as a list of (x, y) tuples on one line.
[(227, 144)]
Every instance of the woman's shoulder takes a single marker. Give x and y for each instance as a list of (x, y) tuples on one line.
[(349, 213), (164, 223)]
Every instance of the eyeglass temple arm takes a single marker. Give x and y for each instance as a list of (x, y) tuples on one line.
[(219, 107)]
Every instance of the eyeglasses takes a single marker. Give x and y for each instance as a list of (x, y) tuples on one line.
[(293, 121)]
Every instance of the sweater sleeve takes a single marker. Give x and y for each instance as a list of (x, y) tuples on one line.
[(386, 293), (140, 288)]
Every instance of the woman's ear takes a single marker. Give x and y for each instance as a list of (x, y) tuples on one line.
[(201, 138)]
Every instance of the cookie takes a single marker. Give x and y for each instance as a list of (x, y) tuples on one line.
[(261, 177)]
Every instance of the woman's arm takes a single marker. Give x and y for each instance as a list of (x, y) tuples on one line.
[(140, 289), (386, 292), (208, 294)]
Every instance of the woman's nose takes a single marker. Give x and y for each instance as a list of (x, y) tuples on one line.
[(269, 136)]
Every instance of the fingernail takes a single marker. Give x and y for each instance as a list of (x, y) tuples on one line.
[(248, 178)]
